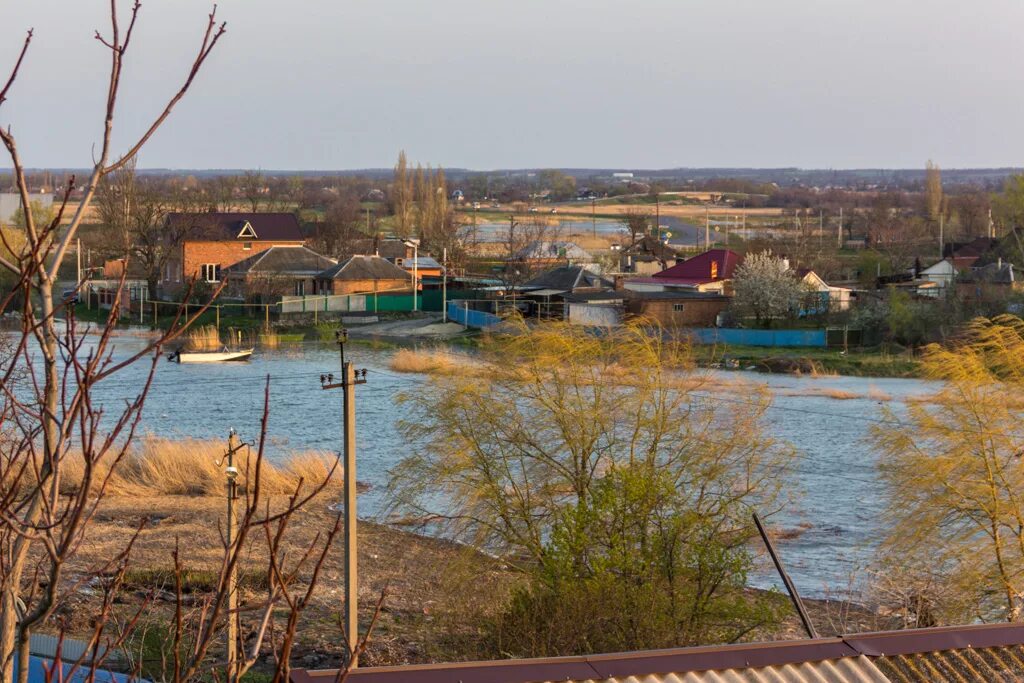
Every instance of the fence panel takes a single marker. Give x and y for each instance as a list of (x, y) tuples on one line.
[(738, 337), (457, 312)]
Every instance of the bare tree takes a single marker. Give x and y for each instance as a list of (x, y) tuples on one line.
[(53, 410)]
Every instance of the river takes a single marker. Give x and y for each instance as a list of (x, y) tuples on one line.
[(837, 495)]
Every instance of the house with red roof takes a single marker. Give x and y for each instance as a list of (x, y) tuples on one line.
[(711, 271)]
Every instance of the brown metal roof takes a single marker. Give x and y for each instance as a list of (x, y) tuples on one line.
[(223, 226), (966, 653)]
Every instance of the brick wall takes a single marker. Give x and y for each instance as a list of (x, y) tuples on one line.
[(365, 286), (226, 253), (694, 313)]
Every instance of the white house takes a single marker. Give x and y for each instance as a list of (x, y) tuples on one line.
[(942, 273), (838, 297)]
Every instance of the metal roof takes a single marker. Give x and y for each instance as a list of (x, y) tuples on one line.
[(964, 653), (276, 227)]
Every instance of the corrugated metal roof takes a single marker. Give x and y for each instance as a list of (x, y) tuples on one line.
[(956, 666), (955, 654)]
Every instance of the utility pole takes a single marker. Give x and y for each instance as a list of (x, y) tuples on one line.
[(707, 228), (78, 264), (942, 226), (444, 286), (349, 379), (231, 473), (593, 214), (657, 215), (839, 233)]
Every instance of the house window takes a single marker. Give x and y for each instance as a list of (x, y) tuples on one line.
[(677, 308), (210, 272), (247, 245), (399, 262), (300, 288)]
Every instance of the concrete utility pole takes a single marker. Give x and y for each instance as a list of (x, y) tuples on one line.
[(231, 473), (349, 379), (839, 233), (707, 228)]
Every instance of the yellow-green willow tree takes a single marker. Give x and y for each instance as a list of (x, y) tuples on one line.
[(603, 468), (954, 467)]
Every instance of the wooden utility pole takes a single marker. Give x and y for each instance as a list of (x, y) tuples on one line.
[(349, 380), (231, 473)]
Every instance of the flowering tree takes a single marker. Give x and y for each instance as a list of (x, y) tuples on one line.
[(766, 289)]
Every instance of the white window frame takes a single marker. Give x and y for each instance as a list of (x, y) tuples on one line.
[(210, 272), (678, 308)]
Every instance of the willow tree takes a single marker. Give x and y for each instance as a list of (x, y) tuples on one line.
[(954, 467), (599, 465)]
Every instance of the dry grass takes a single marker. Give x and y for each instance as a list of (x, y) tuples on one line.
[(876, 394), (270, 339), (839, 394), (205, 338), (428, 361), (193, 467)]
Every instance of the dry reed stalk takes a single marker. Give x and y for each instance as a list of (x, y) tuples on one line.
[(205, 338), (195, 467)]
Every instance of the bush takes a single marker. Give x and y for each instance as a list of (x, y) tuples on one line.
[(633, 570)]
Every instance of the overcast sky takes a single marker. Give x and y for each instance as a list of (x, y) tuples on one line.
[(335, 84)]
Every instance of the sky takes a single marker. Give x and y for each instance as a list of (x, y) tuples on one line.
[(488, 84)]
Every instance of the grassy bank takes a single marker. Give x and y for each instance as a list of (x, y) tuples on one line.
[(855, 362)]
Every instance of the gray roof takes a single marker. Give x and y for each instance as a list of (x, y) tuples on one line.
[(283, 261), (554, 250), (568, 279), (365, 268)]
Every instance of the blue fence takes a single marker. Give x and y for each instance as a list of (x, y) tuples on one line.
[(457, 312), (737, 337)]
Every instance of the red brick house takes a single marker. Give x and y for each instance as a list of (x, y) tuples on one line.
[(215, 241), (711, 271), (363, 275)]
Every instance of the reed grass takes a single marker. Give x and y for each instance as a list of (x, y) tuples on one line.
[(204, 338), (432, 361), (195, 467)]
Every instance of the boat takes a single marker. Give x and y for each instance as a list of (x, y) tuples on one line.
[(222, 356)]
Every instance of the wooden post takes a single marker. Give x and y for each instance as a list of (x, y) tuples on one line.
[(266, 317)]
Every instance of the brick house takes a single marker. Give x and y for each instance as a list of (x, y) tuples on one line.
[(711, 271), (275, 272), (215, 241), (678, 309), (363, 275)]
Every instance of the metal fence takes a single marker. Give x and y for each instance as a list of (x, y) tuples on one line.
[(459, 312), (744, 337)]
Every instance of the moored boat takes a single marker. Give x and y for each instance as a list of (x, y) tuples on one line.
[(221, 356)]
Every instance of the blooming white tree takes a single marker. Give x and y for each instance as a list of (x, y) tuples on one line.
[(765, 288)]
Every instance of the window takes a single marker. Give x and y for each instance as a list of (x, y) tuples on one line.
[(300, 288), (677, 308), (399, 262), (247, 245), (210, 272), (246, 230)]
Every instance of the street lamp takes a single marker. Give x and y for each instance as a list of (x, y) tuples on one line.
[(415, 245)]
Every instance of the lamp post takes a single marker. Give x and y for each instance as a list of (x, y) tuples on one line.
[(415, 244)]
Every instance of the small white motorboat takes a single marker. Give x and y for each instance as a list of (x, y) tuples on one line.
[(222, 356)]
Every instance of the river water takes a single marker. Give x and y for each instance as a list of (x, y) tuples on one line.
[(837, 497)]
